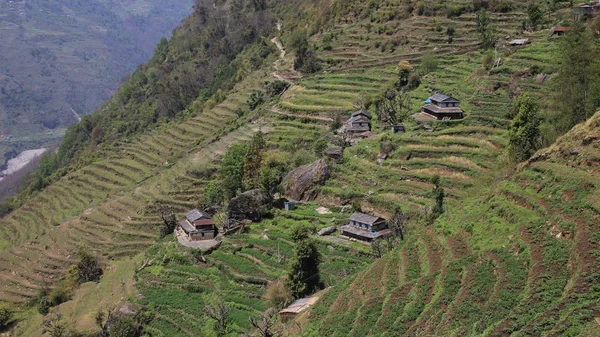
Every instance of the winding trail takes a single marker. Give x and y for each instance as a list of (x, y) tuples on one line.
[(287, 77)]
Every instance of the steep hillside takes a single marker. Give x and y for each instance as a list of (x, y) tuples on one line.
[(62, 59), (513, 253), (521, 259)]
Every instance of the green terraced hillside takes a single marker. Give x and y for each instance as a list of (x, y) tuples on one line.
[(514, 254)]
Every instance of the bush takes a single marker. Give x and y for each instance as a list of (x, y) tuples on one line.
[(5, 315), (276, 87), (277, 295), (487, 61), (302, 157), (88, 268), (256, 98), (429, 63), (124, 327), (43, 305), (58, 295)]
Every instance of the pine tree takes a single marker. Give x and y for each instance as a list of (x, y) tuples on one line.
[(524, 130)]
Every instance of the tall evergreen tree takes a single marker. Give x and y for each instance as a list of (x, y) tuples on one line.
[(303, 276), (524, 130), (485, 29), (253, 160)]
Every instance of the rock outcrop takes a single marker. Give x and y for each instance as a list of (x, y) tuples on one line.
[(251, 205), (300, 184), (326, 231)]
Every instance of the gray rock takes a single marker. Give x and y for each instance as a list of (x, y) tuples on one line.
[(249, 205), (300, 184), (326, 231)]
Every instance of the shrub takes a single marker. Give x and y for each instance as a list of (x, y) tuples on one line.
[(487, 61), (277, 295), (302, 157), (58, 295), (429, 63), (276, 87), (5, 315), (88, 268), (256, 98), (124, 327), (43, 305)]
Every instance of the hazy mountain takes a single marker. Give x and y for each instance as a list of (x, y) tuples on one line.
[(61, 59)]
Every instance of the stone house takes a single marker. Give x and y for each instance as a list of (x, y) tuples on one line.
[(442, 107), (197, 225), (365, 227)]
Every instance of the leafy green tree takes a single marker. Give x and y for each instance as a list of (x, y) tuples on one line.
[(577, 83), (524, 130), (303, 276), (485, 29), (253, 160), (213, 193), (167, 214), (232, 170), (535, 15), (306, 60), (88, 267)]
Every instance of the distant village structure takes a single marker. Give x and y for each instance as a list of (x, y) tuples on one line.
[(197, 226), (359, 124), (559, 30), (365, 227), (519, 42), (442, 107), (581, 10), (297, 307)]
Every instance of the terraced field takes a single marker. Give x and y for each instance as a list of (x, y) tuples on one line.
[(511, 261), (462, 153), (111, 204), (528, 269), (238, 273)]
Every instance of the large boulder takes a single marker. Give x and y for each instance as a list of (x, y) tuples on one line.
[(251, 205), (301, 183)]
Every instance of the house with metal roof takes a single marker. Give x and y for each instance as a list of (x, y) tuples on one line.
[(363, 113), (442, 107), (197, 225), (365, 227), (559, 30), (519, 42), (583, 10), (297, 307)]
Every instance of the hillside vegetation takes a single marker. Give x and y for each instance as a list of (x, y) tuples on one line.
[(513, 252)]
